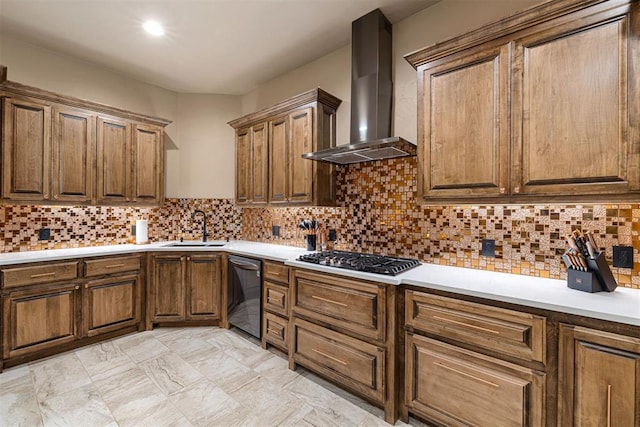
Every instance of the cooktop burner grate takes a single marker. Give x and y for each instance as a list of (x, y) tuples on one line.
[(369, 263)]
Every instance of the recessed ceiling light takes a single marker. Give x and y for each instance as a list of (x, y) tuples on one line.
[(154, 28)]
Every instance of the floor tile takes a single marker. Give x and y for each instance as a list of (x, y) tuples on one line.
[(81, 406), (170, 373), (57, 375)]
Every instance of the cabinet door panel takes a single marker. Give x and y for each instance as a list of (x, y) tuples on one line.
[(114, 161), (26, 150), (37, 320), (204, 278), (301, 170), (147, 179), (571, 99), (278, 159), (111, 304), (598, 378), (464, 147), (243, 165), (168, 293), (73, 146), (260, 163)]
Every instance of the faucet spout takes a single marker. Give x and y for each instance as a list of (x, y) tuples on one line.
[(204, 223)]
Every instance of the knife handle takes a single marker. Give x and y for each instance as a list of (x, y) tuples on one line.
[(572, 243), (592, 239), (592, 253)]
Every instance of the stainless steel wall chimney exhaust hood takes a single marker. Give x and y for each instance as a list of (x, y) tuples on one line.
[(371, 93)]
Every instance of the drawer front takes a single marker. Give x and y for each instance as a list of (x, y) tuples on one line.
[(33, 275), (457, 387), (351, 362), (276, 298), (275, 331), (354, 306), (276, 272), (99, 267), (507, 332)]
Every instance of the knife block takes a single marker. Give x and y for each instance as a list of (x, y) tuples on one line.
[(600, 266), (586, 281)]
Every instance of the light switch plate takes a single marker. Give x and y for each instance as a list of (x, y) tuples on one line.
[(488, 248)]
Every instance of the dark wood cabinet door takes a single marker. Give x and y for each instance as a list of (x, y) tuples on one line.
[(73, 155), (278, 160), (168, 290), (39, 319), (204, 280), (301, 170), (243, 166), (260, 163), (110, 304), (576, 106), (26, 150), (113, 160), (463, 139), (147, 179), (598, 378)]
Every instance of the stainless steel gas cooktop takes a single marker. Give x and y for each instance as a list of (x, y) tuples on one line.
[(368, 263)]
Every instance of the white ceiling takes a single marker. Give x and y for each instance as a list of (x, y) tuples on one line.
[(210, 46)]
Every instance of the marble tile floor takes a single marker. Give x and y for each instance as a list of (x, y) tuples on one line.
[(176, 377)]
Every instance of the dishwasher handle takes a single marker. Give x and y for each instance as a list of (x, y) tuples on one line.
[(246, 266)]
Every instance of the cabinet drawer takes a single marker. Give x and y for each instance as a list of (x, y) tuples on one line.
[(276, 331), (276, 298), (32, 275), (354, 306), (507, 332), (275, 271), (457, 387), (351, 362), (99, 267)]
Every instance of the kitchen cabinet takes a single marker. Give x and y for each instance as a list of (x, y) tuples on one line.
[(543, 105), (184, 288), (59, 149), (269, 147), (599, 377), (112, 297), (469, 364), (26, 149), (345, 330), (252, 158), (40, 308), (275, 305)]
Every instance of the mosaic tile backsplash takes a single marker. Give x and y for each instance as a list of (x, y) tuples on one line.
[(377, 212)]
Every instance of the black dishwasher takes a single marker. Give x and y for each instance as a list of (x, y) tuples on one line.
[(244, 294)]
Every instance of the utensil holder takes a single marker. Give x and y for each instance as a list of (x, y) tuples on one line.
[(586, 281), (311, 242), (601, 268)]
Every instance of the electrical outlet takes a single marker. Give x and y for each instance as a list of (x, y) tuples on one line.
[(489, 248), (275, 230), (333, 236), (133, 230), (44, 234), (623, 256)]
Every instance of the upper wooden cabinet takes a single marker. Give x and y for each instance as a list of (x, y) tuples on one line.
[(545, 103), (269, 148), (58, 149)]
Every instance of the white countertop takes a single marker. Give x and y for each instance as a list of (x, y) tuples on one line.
[(622, 305)]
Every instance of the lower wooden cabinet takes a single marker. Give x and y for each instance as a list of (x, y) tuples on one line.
[(184, 288), (598, 377), (457, 387), (111, 303), (353, 363), (275, 331), (275, 305), (39, 318)]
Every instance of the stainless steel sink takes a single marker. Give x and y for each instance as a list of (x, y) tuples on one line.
[(195, 244)]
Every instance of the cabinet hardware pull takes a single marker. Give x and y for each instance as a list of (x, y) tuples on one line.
[(503, 190), (342, 362), (516, 189), (329, 300), (56, 197), (442, 365), (467, 325), (86, 286), (609, 405), (77, 287), (114, 266), (35, 276), (274, 331)]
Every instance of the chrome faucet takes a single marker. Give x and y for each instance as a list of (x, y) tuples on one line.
[(204, 223)]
